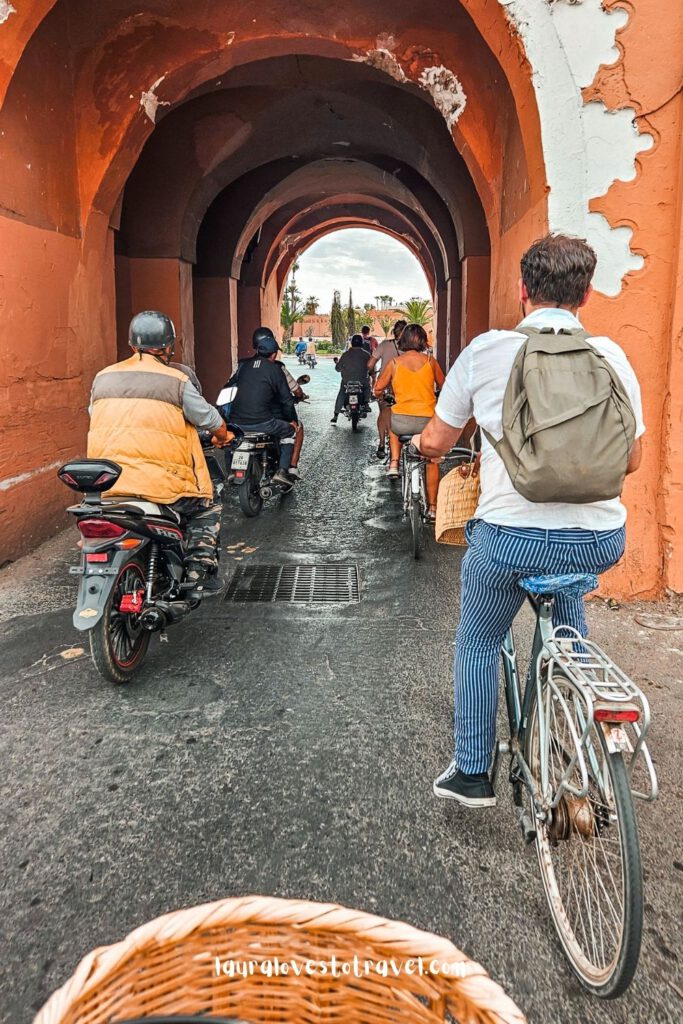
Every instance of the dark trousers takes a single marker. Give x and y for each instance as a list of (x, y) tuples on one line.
[(281, 429), (202, 521)]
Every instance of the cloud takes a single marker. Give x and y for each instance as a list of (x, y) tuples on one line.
[(369, 262)]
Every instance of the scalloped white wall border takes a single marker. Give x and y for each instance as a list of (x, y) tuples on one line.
[(586, 146)]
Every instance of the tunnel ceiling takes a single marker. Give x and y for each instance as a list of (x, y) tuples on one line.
[(299, 130), (185, 113)]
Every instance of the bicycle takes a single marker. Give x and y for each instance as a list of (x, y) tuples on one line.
[(414, 487), (576, 734)]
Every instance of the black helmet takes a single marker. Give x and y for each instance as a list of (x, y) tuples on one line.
[(261, 334), (263, 340), (151, 330)]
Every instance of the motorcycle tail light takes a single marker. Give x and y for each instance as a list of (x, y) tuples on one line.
[(98, 556), (100, 529), (239, 474), (616, 714)]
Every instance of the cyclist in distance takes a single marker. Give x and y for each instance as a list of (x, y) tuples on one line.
[(511, 537), (414, 377)]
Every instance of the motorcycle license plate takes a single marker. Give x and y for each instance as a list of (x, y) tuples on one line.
[(353, 400), (240, 460)]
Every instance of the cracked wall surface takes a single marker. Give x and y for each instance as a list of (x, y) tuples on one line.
[(586, 146)]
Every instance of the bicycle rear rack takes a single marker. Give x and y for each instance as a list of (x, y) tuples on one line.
[(603, 684)]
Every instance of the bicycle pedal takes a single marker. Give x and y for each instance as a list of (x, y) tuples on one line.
[(526, 825)]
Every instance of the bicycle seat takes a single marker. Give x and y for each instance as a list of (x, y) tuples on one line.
[(571, 584)]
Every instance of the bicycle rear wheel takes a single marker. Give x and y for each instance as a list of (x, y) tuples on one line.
[(416, 526), (588, 851)]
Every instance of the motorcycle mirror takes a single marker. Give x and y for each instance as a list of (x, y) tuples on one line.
[(303, 379), (336, 359)]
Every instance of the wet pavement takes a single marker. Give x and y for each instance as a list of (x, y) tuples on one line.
[(290, 750)]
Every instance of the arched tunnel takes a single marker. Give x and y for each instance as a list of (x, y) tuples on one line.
[(181, 156)]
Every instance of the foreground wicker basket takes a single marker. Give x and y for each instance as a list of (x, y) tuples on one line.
[(456, 504), (169, 967)]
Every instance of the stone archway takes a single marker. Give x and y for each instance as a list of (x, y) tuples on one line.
[(110, 112)]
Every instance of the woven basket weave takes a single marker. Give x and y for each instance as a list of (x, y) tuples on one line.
[(168, 967), (456, 504)]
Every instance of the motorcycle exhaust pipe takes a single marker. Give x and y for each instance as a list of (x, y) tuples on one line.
[(163, 614)]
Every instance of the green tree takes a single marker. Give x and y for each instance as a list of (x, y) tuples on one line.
[(418, 311), (312, 303), (337, 324), (350, 316)]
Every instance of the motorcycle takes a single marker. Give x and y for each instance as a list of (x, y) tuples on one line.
[(255, 460), (302, 358), (132, 566), (354, 407), (311, 360)]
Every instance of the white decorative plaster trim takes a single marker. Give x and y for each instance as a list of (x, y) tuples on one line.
[(586, 146), (5, 10)]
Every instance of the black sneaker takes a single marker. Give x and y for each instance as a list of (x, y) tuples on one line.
[(200, 584), (381, 452), (282, 478), (333, 420), (471, 790)]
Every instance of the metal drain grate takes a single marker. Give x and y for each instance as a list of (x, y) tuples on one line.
[(295, 584)]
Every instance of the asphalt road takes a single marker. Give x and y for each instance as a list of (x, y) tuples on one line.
[(290, 750)]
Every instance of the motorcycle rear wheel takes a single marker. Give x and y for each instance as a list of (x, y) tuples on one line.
[(249, 494), (118, 644), (355, 416)]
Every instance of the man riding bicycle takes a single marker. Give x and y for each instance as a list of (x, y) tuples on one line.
[(511, 537), (264, 404)]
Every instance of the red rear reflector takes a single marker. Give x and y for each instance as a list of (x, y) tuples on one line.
[(131, 603), (239, 473), (98, 557), (100, 528), (68, 479), (616, 715)]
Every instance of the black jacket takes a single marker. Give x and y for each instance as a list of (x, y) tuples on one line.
[(353, 365), (262, 392)]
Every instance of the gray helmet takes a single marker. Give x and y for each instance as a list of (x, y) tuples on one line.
[(151, 330)]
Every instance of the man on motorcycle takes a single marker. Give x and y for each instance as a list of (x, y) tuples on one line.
[(299, 395), (264, 403), (144, 415), (353, 365), (300, 349)]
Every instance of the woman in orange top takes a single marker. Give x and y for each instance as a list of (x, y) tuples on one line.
[(414, 378)]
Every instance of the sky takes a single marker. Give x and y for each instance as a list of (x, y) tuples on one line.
[(369, 262)]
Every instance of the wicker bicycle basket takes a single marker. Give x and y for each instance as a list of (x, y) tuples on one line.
[(260, 959), (457, 502)]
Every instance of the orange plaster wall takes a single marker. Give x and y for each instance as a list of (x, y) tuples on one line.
[(166, 285), (55, 333), (646, 317)]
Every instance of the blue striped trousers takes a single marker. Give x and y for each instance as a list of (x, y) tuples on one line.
[(497, 558)]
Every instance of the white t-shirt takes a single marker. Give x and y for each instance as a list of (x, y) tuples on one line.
[(475, 386)]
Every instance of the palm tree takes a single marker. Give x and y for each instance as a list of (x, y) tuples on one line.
[(418, 311), (291, 310), (386, 323)]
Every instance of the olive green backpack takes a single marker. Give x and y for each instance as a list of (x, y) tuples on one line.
[(568, 424)]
